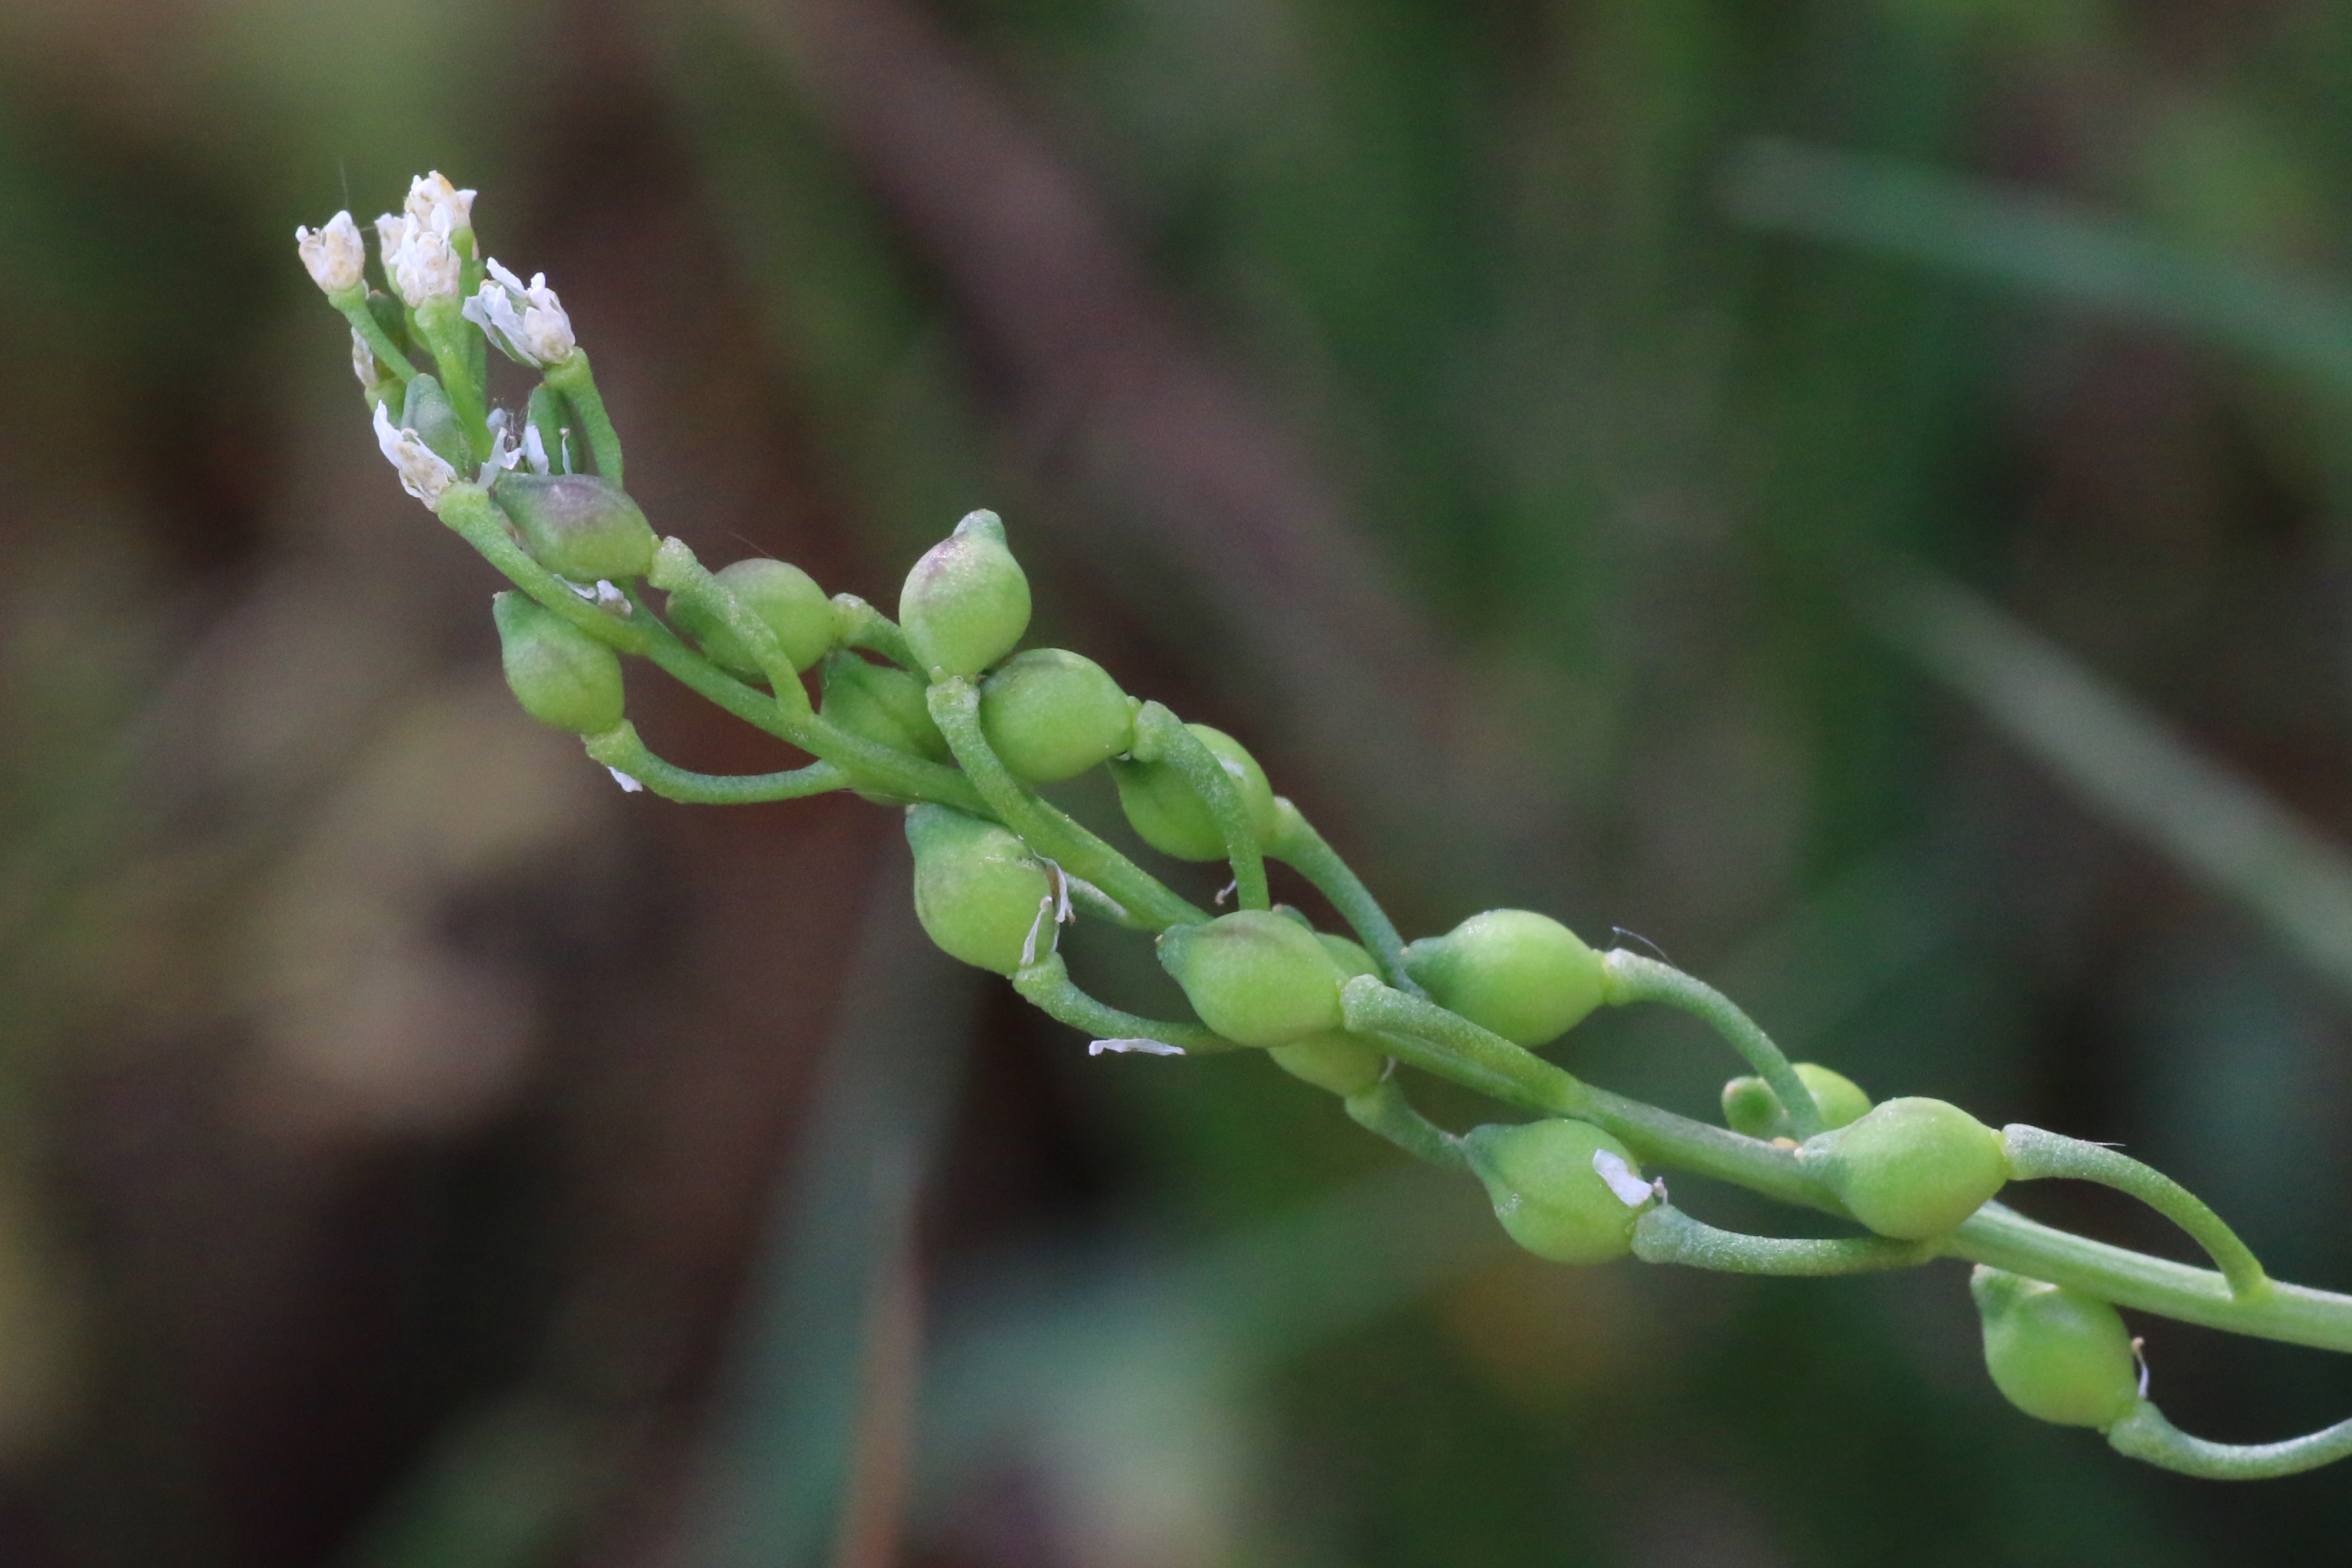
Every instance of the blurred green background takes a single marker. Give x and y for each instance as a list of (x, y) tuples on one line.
[(1855, 493)]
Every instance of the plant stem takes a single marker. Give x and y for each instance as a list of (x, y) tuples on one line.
[(2146, 1435), (577, 382), (859, 625), (1631, 978), (1384, 1110), (352, 303), (1298, 845), (2033, 1153), (955, 708), (1666, 1235), (620, 748), (1047, 985), (1161, 737)]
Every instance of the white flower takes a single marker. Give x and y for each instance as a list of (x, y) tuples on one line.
[(504, 452), (423, 474), (424, 266), (335, 255), (391, 234), (534, 449), (1630, 1190), (364, 363), (433, 202), (526, 320)]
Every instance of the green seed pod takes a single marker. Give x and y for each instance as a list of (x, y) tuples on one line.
[(967, 602), (1523, 974), (1255, 977), (795, 609), (561, 674), (578, 526), (884, 705), (978, 891), (1752, 1109), (1911, 1168), (2057, 1355), (426, 410), (1547, 1193), (1051, 715), (1336, 1060), (1165, 813)]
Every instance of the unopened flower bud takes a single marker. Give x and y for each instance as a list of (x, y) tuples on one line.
[(423, 473), (578, 526), (2055, 1354), (1255, 977), (884, 705), (334, 254), (1336, 1060), (419, 259), (561, 676), (1551, 1193), (780, 594), (1912, 1167), (525, 320), (434, 203), (1524, 976), (1753, 1111), (966, 603), (1162, 809), (1051, 715), (979, 892)]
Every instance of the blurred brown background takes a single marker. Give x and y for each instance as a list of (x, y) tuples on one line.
[(415, 1153)]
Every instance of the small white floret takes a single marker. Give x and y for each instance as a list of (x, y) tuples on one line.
[(364, 364), (335, 255), (1630, 1190), (628, 785), (434, 203), (423, 474), (525, 320), (425, 267), (1139, 1047)]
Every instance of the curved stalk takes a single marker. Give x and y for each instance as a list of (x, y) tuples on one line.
[(2145, 1435), (1631, 978), (2035, 1154), (1384, 1110), (1666, 1235), (1047, 986), (1298, 845), (620, 749), (1161, 737)]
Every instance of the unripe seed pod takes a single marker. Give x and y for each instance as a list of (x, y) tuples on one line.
[(426, 410), (561, 674), (1753, 1111), (578, 526), (978, 891), (1166, 815), (884, 705), (1255, 977), (1911, 1168), (967, 602), (2057, 1355), (1050, 715), (780, 593), (1336, 1060), (1523, 974), (1546, 1193)]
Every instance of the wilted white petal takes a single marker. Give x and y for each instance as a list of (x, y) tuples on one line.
[(335, 255), (423, 474), (1141, 1047), (1630, 1190), (628, 784), (391, 234), (364, 363), (527, 321), (534, 449), (546, 327)]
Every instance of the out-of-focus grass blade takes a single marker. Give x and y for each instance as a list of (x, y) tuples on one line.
[(2043, 245), (2128, 765), (782, 1476)]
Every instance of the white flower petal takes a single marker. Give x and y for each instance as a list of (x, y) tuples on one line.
[(628, 785), (1630, 1190), (423, 474), (334, 255), (1140, 1047)]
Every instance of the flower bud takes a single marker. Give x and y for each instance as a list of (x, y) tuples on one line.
[(966, 603), (579, 527), (426, 410), (525, 320), (794, 608), (978, 891), (1753, 1111), (1336, 1060), (334, 255), (2057, 1355), (1050, 715), (1255, 977), (561, 674), (884, 705), (418, 259), (1911, 1168), (1522, 975), (1166, 815), (1549, 1195)]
